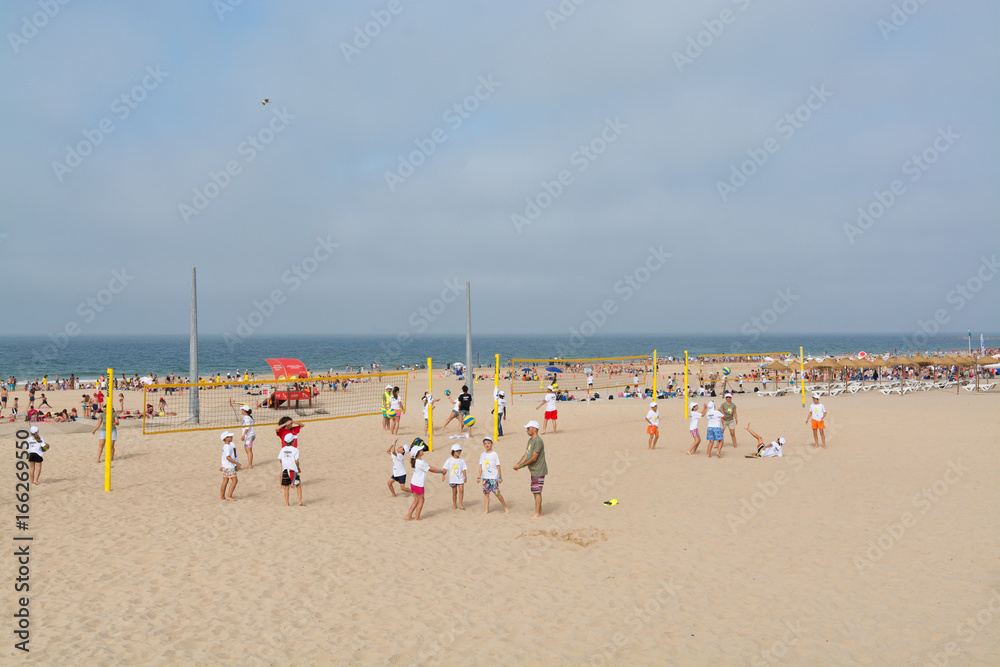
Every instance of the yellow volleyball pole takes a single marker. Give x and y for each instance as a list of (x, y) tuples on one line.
[(654, 375), (108, 419), (802, 375), (430, 406), (496, 400), (686, 408)]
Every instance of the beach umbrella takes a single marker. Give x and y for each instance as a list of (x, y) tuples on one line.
[(849, 363), (832, 364), (984, 360), (552, 369), (775, 366)]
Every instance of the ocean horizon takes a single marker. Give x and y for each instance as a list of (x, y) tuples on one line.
[(28, 357)]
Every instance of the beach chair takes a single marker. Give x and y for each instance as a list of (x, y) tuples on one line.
[(837, 390), (890, 390)]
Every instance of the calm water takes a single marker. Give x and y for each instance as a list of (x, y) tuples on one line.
[(88, 357)]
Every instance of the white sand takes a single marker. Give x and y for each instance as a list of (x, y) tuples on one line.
[(159, 571)]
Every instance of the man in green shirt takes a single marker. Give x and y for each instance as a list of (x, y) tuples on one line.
[(534, 461), (729, 419)]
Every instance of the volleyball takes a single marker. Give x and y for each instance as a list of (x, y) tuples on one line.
[(45, 448), (726, 370), (469, 421), (391, 414), (447, 392)]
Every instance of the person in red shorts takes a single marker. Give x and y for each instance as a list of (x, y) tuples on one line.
[(550, 409)]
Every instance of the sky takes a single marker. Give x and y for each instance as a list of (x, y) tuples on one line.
[(641, 166)]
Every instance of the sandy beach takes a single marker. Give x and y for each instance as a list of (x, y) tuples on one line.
[(879, 550)]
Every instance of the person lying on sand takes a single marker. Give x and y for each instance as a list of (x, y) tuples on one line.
[(765, 451)]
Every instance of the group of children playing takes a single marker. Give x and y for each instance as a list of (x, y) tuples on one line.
[(726, 417), (291, 467), (454, 471)]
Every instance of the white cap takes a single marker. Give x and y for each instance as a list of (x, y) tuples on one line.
[(694, 405), (501, 392), (549, 387), (729, 394), (781, 441), (415, 449), (532, 424), (245, 407), (653, 404), (388, 386), (711, 405), (290, 437), (226, 434), (456, 448), (816, 395), (33, 429)]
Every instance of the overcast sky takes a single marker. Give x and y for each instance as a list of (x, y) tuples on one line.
[(694, 166)]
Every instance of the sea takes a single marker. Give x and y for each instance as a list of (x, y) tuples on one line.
[(89, 357)]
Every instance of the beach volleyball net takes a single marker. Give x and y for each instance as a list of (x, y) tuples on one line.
[(169, 407), (753, 357), (532, 376)]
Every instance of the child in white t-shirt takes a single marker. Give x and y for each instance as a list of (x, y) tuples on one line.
[(490, 475), (230, 464), (713, 432), (428, 402), (765, 451), (248, 434), (456, 470), (693, 427), (420, 470), (398, 454), (653, 425), (290, 468), (36, 451), (817, 414)]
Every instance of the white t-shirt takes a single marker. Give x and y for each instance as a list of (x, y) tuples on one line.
[(774, 449), (456, 469), (818, 411), (427, 404), (398, 467), (35, 447), (229, 450), (501, 405), (248, 427), (420, 469), (714, 418), (550, 402), (489, 464), (289, 456), (395, 404), (590, 380), (454, 408), (654, 417), (635, 379), (695, 416)]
